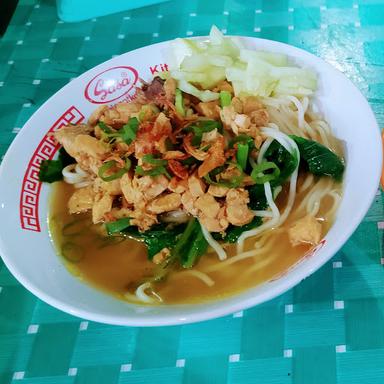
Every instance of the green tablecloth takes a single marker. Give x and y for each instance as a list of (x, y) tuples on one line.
[(329, 329)]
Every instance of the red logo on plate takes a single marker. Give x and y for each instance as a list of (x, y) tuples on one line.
[(111, 84)]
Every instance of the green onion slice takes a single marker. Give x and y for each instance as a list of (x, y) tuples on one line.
[(118, 225), (103, 170), (160, 170), (150, 159), (245, 139), (258, 175), (179, 102), (128, 131), (242, 155), (104, 127), (225, 98)]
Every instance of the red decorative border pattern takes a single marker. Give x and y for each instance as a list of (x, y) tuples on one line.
[(30, 190)]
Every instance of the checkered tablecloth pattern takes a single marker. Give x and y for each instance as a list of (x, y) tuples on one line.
[(327, 330)]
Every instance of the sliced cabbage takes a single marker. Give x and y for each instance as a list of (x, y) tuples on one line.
[(199, 65)]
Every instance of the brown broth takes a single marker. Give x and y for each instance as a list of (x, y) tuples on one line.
[(120, 267)]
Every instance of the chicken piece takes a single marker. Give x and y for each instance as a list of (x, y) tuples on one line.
[(187, 200), (227, 115), (241, 123), (237, 105), (87, 150), (120, 113), (250, 104), (196, 186), (102, 205), (96, 114), (119, 213), (170, 89), (178, 186), (237, 209), (152, 187), (134, 196), (230, 173), (213, 224), (131, 194), (165, 203), (223, 86), (217, 190), (211, 214), (162, 127), (174, 155), (209, 109), (260, 118), (161, 256), (111, 187), (66, 136), (208, 206), (234, 121), (254, 132), (210, 137), (81, 200), (306, 230), (143, 219), (125, 149), (90, 146), (215, 159)]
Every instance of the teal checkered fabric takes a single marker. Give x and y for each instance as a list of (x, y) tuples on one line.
[(329, 329)]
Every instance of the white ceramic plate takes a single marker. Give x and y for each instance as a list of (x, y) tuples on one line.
[(24, 241)]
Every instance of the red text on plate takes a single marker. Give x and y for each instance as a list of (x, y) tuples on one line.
[(111, 84), (158, 68)]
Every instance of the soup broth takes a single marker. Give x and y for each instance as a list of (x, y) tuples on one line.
[(118, 265)]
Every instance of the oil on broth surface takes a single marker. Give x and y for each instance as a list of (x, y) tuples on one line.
[(119, 267)]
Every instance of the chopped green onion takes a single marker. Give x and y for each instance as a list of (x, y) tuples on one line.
[(179, 102), (161, 170), (104, 127), (150, 159), (225, 99), (111, 164), (118, 225), (190, 161), (203, 126), (242, 155), (245, 139), (129, 130), (234, 182), (258, 175)]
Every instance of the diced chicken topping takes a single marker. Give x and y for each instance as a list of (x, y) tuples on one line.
[(119, 114), (217, 191), (168, 161), (165, 203), (196, 186), (81, 200), (102, 205), (209, 109), (238, 212), (306, 230)]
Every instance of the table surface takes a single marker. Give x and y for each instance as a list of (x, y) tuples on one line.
[(328, 329)]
